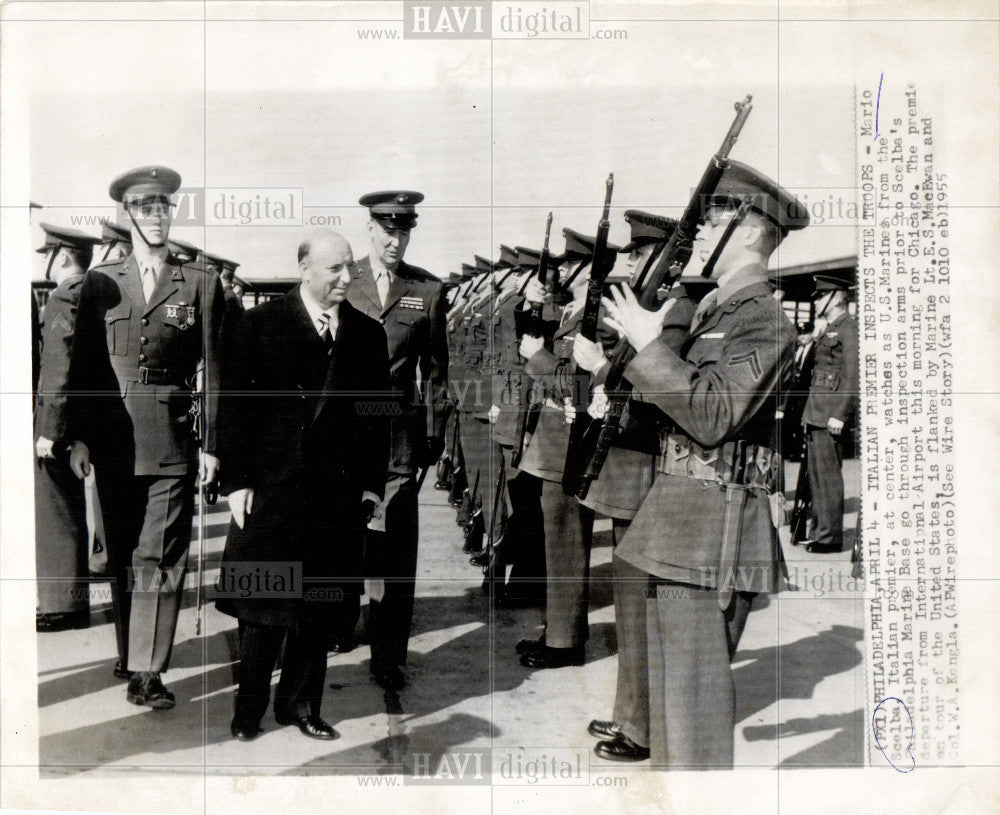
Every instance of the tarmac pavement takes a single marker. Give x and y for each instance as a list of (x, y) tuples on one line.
[(799, 678)]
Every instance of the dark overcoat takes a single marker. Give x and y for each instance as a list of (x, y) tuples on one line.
[(306, 428)]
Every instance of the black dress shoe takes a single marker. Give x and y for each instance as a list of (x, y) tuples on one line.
[(822, 548), (244, 728), (526, 646), (480, 559), (46, 623), (147, 689), (120, 671), (546, 657), (621, 748), (604, 729), (312, 726), (389, 677)]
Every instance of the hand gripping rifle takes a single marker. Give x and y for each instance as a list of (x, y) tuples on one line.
[(674, 257), (546, 278), (600, 267)]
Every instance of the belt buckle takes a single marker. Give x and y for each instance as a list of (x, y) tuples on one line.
[(144, 375)]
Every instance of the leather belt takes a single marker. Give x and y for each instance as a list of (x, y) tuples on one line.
[(151, 376), (735, 463)]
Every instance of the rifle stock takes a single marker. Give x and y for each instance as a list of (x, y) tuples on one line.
[(594, 448)]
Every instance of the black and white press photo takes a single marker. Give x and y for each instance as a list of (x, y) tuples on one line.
[(497, 405)]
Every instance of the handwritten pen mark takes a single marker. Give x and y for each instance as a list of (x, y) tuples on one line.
[(878, 102), (909, 746)]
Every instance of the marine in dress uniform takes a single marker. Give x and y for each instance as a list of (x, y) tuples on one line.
[(303, 465), (143, 325), (625, 479), (410, 304), (568, 524), (831, 404), (61, 537), (705, 532)]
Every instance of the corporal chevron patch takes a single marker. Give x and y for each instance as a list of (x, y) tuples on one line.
[(749, 359)]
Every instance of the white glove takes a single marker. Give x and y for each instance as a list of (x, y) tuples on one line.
[(241, 504)]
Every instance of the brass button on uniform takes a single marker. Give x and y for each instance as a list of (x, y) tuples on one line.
[(143, 340), (142, 357), (144, 321)]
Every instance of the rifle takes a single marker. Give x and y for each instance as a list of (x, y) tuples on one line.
[(594, 448), (545, 277), (208, 494), (600, 267)]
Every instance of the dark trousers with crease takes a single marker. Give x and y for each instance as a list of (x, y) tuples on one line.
[(569, 527), (61, 541), (303, 670), (147, 521), (631, 587), (824, 455), (692, 697), (392, 556)]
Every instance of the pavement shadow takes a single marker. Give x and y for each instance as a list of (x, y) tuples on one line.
[(423, 751), (803, 665), (844, 748)]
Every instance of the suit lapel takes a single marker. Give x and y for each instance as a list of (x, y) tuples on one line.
[(397, 289), (364, 285), (167, 283), (129, 278), (303, 322), (345, 314)]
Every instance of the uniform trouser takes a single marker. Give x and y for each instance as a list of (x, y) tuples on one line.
[(303, 669), (691, 692), (61, 540), (632, 689), (826, 481), (525, 535), (569, 528), (392, 557), (474, 434), (147, 521)]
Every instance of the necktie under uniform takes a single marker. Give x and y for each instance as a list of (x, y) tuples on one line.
[(707, 304), (148, 274), (382, 284)]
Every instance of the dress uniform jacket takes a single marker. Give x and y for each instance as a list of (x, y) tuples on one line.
[(718, 391), (630, 468), (834, 389), (133, 362), (510, 382), (130, 378), (414, 318), (61, 539), (306, 450)]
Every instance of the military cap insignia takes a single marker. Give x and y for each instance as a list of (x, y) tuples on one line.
[(750, 359)]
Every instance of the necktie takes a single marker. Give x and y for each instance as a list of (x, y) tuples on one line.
[(382, 284), (326, 332), (704, 307), (148, 282)]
